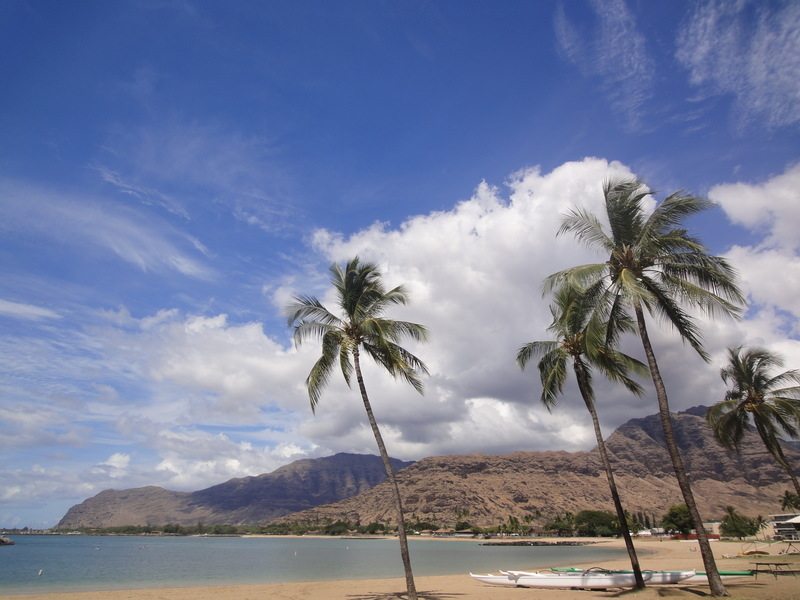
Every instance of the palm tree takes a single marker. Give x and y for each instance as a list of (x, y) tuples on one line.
[(761, 525), (362, 299), (574, 342), (759, 398), (737, 525), (790, 501), (655, 265)]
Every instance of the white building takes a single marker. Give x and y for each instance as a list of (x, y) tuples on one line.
[(785, 526)]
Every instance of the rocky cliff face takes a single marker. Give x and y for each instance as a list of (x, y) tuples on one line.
[(486, 488), (491, 488), (294, 487)]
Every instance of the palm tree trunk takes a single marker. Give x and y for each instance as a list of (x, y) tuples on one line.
[(792, 476), (580, 375), (387, 464), (715, 583)]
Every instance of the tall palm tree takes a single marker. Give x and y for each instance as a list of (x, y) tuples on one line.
[(362, 300), (654, 265), (767, 401), (575, 343)]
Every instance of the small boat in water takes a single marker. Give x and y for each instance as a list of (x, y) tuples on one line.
[(5, 541), (566, 580)]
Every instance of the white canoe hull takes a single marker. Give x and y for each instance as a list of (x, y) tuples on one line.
[(666, 577), (495, 579), (656, 577), (560, 580)]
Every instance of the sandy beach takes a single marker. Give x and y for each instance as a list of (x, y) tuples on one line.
[(653, 554)]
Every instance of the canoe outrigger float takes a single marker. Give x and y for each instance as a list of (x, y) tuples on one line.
[(701, 576)]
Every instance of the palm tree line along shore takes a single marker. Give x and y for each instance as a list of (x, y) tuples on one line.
[(652, 266)]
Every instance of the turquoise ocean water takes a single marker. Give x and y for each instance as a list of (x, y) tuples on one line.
[(81, 563)]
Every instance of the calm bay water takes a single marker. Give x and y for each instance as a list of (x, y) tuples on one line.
[(81, 563)]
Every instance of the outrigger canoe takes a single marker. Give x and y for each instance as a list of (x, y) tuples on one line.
[(696, 577), (582, 580), (656, 577)]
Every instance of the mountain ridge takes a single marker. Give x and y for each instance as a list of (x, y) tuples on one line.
[(490, 488), (294, 487), (487, 488)]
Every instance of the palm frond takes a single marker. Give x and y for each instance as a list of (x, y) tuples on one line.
[(552, 368), (670, 243), (633, 288), (766, 430), (752, 397), (533, 350), (729, 422), (581, 332), (788, 393), (363, 300), (579, 277), (667, 309), (699, 296), (313, 330), (394, 330), (308, 308), (587, 228), (654, 263), (616, 365), (783, 412), (609, 316), (623, 208), (397, 295), (346, 359), (673, 211), (398, 361), (705, 281), (320, 374)]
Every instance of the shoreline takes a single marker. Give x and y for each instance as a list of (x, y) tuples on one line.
[(653, 555)]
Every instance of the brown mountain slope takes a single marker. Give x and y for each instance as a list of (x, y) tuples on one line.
[(137, 506), (491, 488), (294, 487)]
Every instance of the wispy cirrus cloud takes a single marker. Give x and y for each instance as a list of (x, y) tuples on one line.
[(614, 52), (187, 167), (144, 194), (20, 310), (750, 50), (99, 227)]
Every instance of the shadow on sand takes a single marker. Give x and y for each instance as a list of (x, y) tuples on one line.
[(423, 595)]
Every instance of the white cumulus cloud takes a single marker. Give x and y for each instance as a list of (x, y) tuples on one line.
[(190, 400)]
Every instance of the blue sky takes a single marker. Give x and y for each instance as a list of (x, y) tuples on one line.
[(171, 173)]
